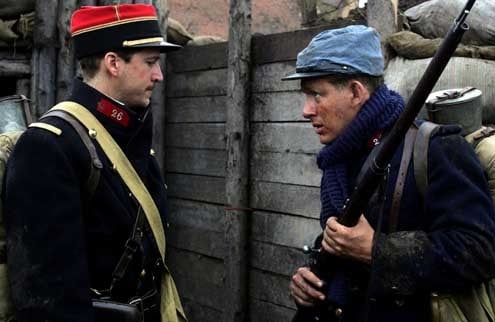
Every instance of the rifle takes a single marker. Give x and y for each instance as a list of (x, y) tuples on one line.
[(374, 173)]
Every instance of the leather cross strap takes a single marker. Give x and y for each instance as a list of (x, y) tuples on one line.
[(96, 165), (122, 166), (401, 178), (420, 154)]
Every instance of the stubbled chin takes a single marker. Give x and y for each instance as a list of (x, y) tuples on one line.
[(141, 104), (146, 99), (326, 139)]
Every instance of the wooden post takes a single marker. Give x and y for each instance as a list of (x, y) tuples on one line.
[(237, 172), (66, 61), (158, 103), (14, 67), (44, 57), (107, 2), (113, 2), (308, 11), (87, 2), (382, 15), (22, 87)]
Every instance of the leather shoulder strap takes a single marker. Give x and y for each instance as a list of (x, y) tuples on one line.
[(420, 154), (122, 166), (96, 165)]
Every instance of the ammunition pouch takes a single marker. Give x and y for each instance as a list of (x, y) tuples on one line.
[(139, 309)]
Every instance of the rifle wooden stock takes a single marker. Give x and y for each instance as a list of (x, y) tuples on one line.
[(374, 173)]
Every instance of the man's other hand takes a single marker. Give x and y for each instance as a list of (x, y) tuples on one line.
[(305, 287), (353, 242)]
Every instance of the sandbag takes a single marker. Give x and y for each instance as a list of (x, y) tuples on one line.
[(406, 4), (176, 33), (204, 40), (432, 19), (13, 8), (331, 10), (6, 32), (403, 75), (25, 25), (485, 150), (411, 45), (21, 28)]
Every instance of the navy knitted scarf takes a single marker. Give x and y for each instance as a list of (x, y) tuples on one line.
[(378, 114)]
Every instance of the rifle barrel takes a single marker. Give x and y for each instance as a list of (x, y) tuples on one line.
[(374, 173)]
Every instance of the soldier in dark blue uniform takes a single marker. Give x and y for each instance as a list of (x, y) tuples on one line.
[(442, 241), (64, 240)]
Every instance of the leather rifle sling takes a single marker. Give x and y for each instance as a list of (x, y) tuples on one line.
[(401, 178)]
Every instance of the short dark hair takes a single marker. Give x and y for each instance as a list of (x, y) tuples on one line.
[(91, 64), (371, 82)]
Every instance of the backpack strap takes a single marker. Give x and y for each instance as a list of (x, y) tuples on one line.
[(96, 165), (420, 154), (27, 109)]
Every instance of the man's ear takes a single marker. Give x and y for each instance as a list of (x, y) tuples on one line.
[(112, 63), (360, 93)]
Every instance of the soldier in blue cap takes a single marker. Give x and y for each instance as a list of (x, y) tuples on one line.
[(406, 245)]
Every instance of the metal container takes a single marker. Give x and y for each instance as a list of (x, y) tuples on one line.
[(15, 114), (460, 106)]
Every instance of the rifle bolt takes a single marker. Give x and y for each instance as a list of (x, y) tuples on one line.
[(306, 249)]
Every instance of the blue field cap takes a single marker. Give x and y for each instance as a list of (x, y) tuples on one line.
[(355, 49)]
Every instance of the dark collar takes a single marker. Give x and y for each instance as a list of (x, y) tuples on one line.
[(108, 111), (125, 124)]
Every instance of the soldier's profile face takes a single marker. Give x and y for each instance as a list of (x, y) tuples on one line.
[(138, 78), (328, 107)]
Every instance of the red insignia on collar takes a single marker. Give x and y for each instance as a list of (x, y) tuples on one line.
[(374, 140), (113, 112)]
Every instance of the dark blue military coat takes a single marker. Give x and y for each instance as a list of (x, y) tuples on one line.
[(444, 241), (59, 245)]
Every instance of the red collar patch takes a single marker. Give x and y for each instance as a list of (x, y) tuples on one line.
[(375, 140), (113, 112)]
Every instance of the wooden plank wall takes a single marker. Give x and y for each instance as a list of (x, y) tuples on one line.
[(284, 178), (195, 162)]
